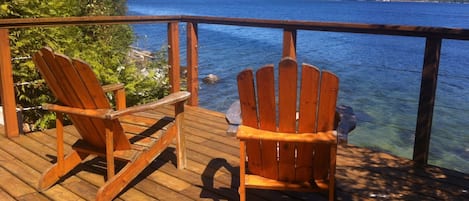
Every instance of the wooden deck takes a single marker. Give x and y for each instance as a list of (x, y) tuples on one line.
[(212, 172)]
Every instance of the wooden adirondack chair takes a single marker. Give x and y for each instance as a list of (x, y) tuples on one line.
[(83, 99), (288, 150)]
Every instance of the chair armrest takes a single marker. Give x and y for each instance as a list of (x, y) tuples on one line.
[(249, 133), (167, 100), (112, 87), (344, 123), (112, 114), (95, 113)]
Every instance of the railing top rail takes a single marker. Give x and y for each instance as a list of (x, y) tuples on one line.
[(88, 20), (383, 29)]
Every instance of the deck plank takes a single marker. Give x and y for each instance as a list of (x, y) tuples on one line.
[(212, 170)]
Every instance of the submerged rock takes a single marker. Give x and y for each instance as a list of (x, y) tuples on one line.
[(210, 79), (348, 122)]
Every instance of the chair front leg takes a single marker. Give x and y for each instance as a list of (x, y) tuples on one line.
[(60, 143), (180, 138), (242, 170), (110, 149)]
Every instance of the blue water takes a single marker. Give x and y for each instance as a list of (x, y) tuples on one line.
[(379, 75)]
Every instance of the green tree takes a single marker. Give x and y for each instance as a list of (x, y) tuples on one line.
[(104, 47)]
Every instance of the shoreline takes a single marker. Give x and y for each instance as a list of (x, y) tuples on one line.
[(425, 1)]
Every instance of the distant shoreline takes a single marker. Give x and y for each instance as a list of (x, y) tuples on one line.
[(427, 1)]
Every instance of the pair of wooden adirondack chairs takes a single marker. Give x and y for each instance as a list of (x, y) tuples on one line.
[(295, 154), (289, 143), (84, 100)]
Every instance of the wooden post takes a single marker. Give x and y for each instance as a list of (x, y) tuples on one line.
[(7, 93), (427, 100), (289, 43), (192, 63), (173, 56)]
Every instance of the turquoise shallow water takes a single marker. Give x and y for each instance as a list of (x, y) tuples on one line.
[(380, 75)]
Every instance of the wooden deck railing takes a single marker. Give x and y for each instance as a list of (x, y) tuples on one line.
[(433, 35)]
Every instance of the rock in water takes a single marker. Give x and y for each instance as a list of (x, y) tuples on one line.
[(210, 79)]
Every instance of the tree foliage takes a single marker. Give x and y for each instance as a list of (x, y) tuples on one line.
[(104, 47)]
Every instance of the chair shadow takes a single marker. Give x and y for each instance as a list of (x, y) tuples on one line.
[(208, 180), (97, 166)]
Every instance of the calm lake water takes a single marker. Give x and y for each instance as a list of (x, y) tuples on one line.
[(379, 75)]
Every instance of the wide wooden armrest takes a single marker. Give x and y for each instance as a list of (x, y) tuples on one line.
[(249, 133), (167, 100), (112, 114), (112, 87), (95, 113)]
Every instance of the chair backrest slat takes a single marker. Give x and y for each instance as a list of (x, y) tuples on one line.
[(308, 99), (266, 98), (326, 115), (309, 90), (287, 90), (327, 101), (265, 84), (88, 78), (287, 93), (248, 104)]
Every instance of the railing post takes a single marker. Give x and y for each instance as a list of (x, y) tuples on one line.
[(7, 93), (192, 63), (289, 43), (427, 100), (173, 56)]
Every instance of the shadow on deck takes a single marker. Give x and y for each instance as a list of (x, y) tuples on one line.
[(212, 171)]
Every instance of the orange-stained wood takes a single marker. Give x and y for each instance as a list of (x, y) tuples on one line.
[(247, 97), (109, 131), (51, 68), (246, 133), (265, 84), (75, 85), (266, 98), (332, 167), (173, 56), (287, 93), (302, 148), (255, 181), (119, 93), (326, 115), (242, 170), (6, 89), (309, 90), (121, 103), (59, 126), (98, 100), (192, 63), (327, 101), (307, 119)]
